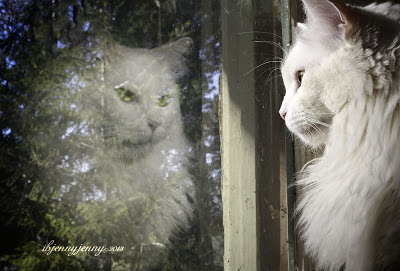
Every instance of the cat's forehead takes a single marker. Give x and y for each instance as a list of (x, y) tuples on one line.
[(143, 70), (305, 54)]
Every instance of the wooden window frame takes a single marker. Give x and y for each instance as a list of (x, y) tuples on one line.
[(257, 153)]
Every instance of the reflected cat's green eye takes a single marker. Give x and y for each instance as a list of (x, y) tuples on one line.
[(126, 96), (300, 75), (164, 100)]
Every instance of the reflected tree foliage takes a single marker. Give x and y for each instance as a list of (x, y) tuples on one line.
[(108, 111)]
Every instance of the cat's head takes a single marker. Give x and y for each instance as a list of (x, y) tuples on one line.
[(143, 96), (333, 60)]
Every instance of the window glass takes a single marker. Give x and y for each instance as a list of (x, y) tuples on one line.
[(110, 140)]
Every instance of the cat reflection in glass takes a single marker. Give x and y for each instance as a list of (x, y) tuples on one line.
[(342, 80), (146, 147)]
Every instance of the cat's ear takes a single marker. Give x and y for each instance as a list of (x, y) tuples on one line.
[(350, 18), (322, 12), (301, 26), (331, 14)]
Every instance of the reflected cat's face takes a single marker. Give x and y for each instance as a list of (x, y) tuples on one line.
[(145, 109), (143, 102)]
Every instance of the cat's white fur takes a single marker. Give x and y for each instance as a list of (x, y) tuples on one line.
[(348, 102), (147, 151)]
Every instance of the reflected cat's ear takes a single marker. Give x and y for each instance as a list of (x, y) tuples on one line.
[(174, 54), (182, 45)]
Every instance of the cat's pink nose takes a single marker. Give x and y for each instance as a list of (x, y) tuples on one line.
[(153, 124), (283, 114)]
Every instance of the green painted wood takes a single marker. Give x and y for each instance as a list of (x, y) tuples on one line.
[(288, 11)]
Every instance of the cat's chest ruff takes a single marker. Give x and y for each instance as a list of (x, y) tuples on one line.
[(333, 216), (343, 189)]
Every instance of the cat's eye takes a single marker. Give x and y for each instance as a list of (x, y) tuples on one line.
[(300, 75), (126, 95), (164, 100)]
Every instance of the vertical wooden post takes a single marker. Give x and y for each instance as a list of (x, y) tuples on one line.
[(237, 116), (270, 147)]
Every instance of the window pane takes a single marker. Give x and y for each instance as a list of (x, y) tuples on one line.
[(110, 138)]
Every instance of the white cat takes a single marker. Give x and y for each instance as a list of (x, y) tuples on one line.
[(145, 153), (342, 79)]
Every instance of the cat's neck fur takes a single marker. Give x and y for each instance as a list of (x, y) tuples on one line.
[(347, 186)]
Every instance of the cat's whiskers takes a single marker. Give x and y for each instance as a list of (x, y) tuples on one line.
[(272, 43), (266, 54), (315, 127), (308, 130), (274, 70), (300, 144), (318, 113), (266, 82), (315, 121), (318, 129), (262, 64), (260, 32), (271, 70), (321, 123), (290, 135), (272, 78)]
